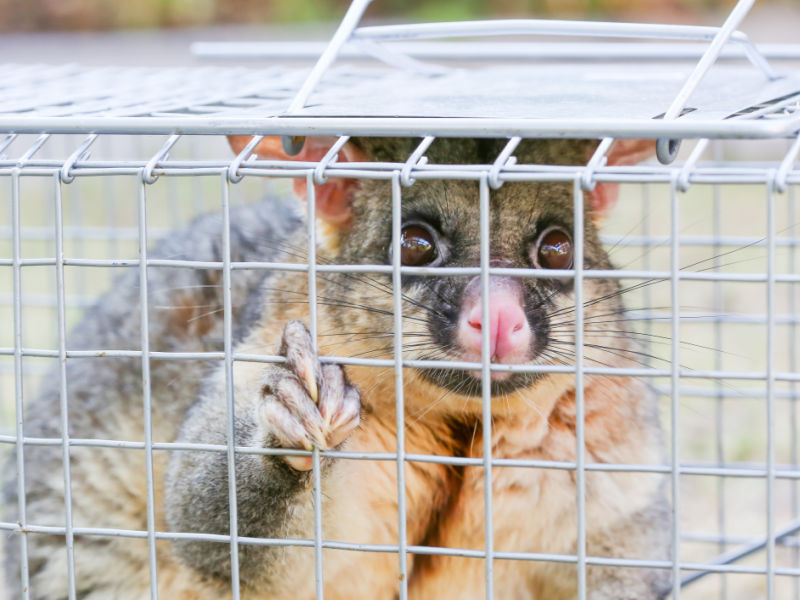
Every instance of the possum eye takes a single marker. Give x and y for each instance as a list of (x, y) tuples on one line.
[(417, 246), (553, 249)]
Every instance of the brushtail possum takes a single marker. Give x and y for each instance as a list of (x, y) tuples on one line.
[(302, 402)]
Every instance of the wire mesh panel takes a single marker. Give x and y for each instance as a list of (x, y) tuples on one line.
[(167, 427)]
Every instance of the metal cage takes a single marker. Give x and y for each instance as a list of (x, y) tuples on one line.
[(97, 163)]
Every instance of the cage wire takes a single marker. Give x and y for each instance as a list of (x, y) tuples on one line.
[(97, 163)]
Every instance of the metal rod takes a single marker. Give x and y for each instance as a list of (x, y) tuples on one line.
[(146, 390), (63, 395), (492, 51), (675, 384), (537, 27), (343, 33), (580, 403), (420, 550), (19, 403), (794, 442), (227, 325), (747, 550), (721, 37), (770, 381), (311, 239), (486, 387), (719, 415), (397, 297), (478, 127)]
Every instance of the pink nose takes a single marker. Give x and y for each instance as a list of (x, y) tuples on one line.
[(509, 332)]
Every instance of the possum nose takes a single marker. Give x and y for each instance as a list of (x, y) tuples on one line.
[(509, 332)]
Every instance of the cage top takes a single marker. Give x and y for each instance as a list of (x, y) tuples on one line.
[(672, 97)]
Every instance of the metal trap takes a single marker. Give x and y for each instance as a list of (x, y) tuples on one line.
[(96, 163)]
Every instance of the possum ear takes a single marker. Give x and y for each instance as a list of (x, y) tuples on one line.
[(332, 199), (622, 152)]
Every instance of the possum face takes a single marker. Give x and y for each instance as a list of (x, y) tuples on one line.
[(530, 320)]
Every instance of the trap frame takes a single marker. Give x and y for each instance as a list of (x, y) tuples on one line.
[(55, 116)]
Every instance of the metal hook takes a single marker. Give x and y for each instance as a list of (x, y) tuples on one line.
[(147, 173), (683, 177), (415, 160), (503, 160), (598, 159), (82, 153), (329, 159), (247, 151)]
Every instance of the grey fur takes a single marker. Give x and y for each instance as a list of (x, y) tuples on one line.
[(274, 499), (280, 414), (105, 394)]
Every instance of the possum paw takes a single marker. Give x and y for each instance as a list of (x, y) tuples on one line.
[(305, 403)]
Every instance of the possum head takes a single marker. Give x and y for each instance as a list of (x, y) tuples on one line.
[(531, 319)]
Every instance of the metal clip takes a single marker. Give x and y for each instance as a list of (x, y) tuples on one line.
[(329, 159), (504, 159), (416, 159), (82, 153), (244, 155), (293, 144), (686, 172), (667, 150), (598, 159), (147, 173)]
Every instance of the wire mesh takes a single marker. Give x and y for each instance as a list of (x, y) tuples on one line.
[(710, 290), (710, 379)]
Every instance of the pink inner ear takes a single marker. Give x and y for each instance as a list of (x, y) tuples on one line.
[(603, 198), (622, 152), (630, 152), (332, 199)]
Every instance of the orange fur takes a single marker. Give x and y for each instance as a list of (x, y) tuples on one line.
[(534, 509)]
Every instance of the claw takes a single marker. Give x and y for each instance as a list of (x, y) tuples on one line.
[(299, 463), (313, 406), (311, 383), (320, 439), (341, 433), (308, 375), (297, 346)]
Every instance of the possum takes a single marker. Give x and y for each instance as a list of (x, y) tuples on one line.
[(303, 403)]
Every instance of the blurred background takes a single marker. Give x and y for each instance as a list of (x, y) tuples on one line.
[(87, 15), (158, 32), (34, 15)]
